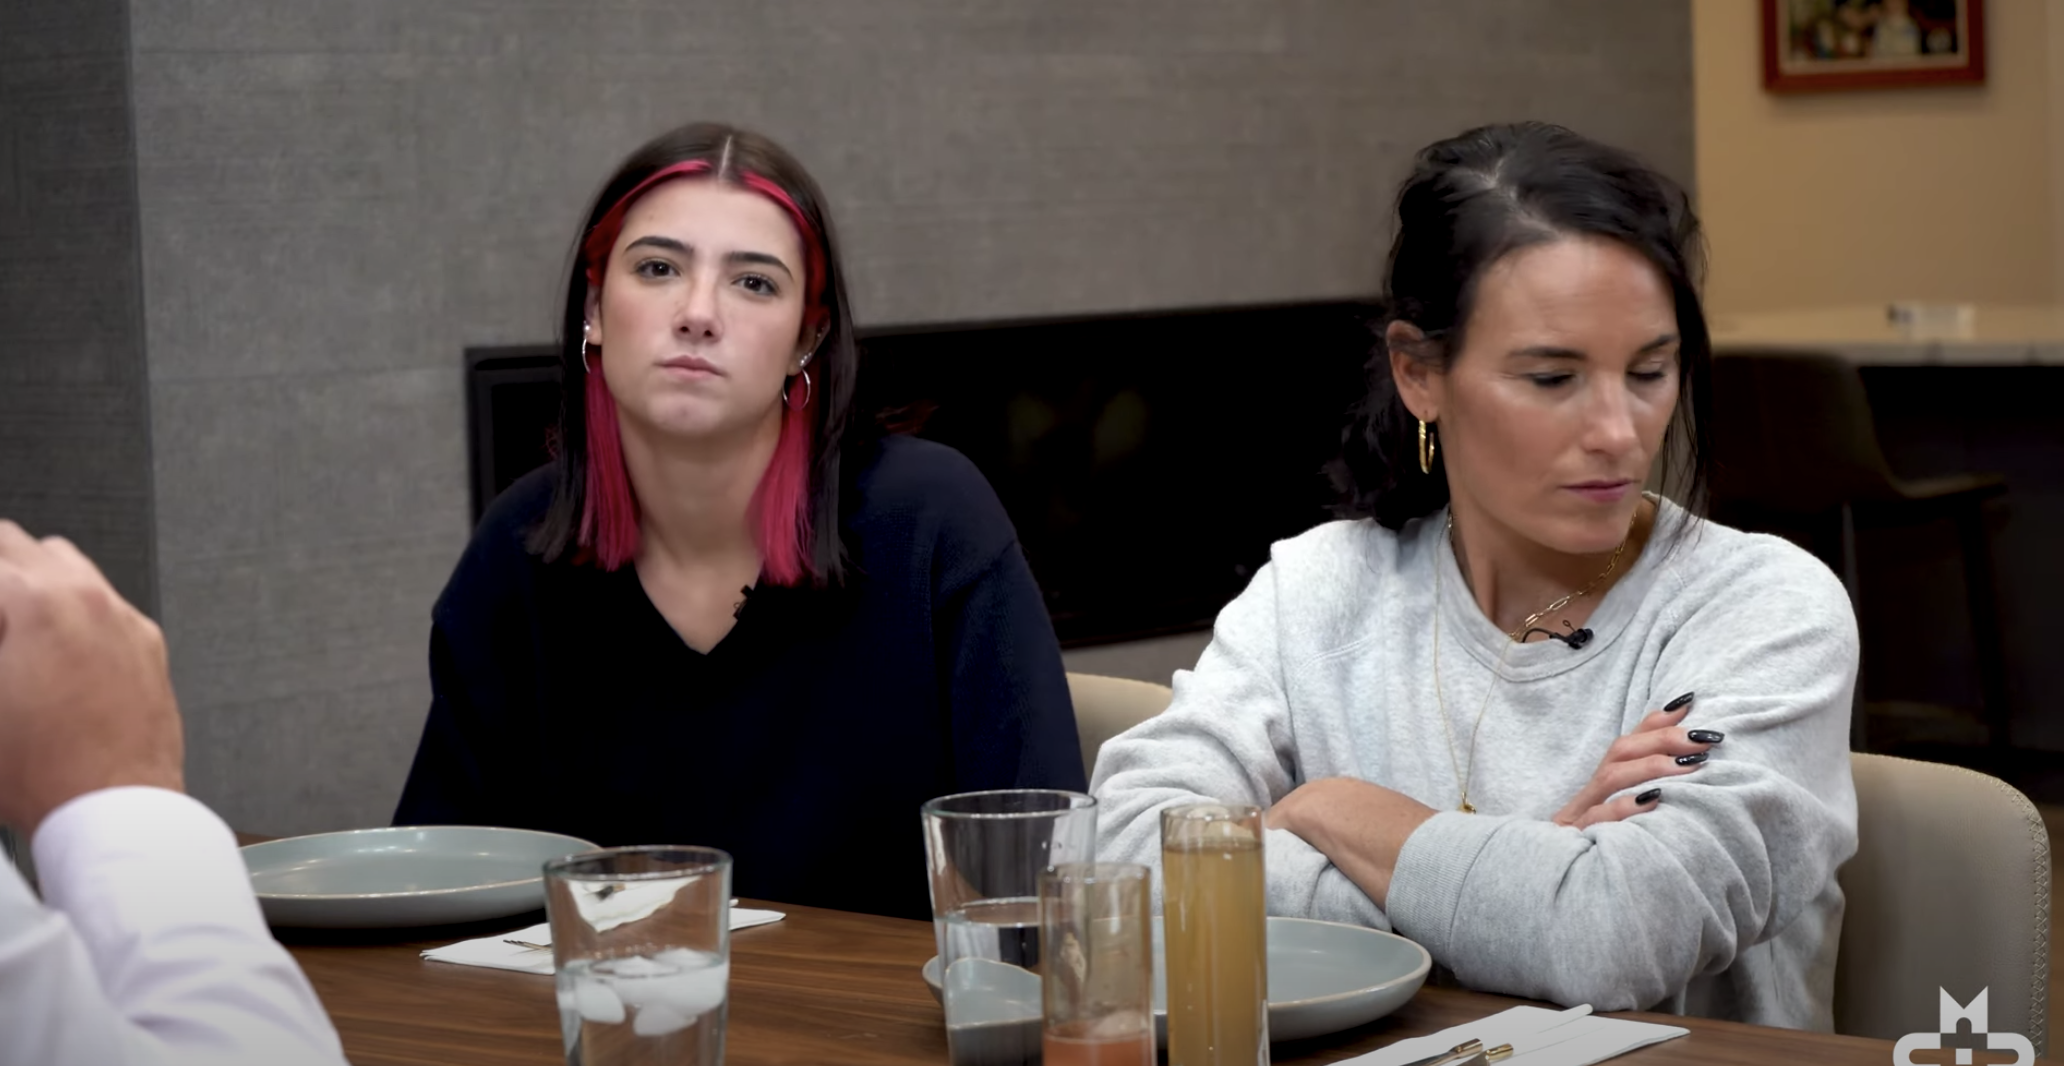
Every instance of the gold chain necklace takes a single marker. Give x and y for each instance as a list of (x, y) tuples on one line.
[(1611, 564), (1517, 636)]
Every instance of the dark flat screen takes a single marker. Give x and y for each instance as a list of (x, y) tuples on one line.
[(1148, 461)]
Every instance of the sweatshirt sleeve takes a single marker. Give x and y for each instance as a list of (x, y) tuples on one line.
[(453, 778), (1013, 723), (469, 764), (1623, 915), (1225, 738)]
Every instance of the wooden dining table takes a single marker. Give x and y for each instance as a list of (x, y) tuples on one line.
[(829, 988)]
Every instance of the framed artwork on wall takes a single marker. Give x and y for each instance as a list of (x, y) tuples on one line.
[(1818, 45)]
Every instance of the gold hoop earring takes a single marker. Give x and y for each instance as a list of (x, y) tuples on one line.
[(1427, 447)]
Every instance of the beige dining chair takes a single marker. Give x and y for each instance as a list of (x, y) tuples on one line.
[(1950, 890), (1108, 706)]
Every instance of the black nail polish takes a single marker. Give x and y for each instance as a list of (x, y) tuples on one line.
[(1705, 736), (1649, 796), (1692, 759), (1678, 702)]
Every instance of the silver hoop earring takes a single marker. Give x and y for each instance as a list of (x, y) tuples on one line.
[(809, 393), (584, 349)]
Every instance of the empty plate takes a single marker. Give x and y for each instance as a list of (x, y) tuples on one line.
[(1323, 977), (403, 876)]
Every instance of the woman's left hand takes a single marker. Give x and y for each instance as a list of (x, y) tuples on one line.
[(1656, 748), (1358, 826)]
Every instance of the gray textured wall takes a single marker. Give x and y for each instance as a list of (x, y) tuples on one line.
[(339, 198), (74, 417)]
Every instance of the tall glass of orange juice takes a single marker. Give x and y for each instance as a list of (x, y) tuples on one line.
[(1215, 919), (1098, 989)]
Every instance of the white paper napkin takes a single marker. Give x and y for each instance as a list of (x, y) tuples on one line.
[(496, 951), (1539, 1037), (606, 905)]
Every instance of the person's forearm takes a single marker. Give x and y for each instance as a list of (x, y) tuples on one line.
[(1359, 827), (158, 897), (52, 1008)]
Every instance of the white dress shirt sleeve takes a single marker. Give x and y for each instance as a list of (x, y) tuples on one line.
[(151, 949)]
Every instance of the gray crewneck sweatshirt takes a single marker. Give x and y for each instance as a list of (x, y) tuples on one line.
[(1721, 902)]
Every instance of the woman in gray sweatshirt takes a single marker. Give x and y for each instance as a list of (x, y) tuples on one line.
[(1580, 743)]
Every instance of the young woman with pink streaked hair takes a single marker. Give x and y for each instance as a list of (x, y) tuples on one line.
[(731, 613)]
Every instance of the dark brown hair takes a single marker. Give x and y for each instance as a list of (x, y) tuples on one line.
[(739, 156), (1470, 201)]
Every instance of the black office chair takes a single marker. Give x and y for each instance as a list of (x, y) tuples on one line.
[(1796, 453)]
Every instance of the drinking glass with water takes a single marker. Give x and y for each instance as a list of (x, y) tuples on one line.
[(987, 852), (641, 942)]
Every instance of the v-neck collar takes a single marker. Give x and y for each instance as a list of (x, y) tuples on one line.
[(631, 589), (768, 609)]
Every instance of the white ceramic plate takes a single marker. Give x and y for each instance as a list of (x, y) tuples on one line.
[(403, 876), (1323, 977)]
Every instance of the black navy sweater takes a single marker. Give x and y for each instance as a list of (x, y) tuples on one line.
[(803, 743)]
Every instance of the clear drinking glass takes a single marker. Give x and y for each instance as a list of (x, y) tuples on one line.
[(1214, 914), (1097, 924), (986, 852), (641, 940)]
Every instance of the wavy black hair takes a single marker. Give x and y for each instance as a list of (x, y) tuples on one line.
[(1470, 201)]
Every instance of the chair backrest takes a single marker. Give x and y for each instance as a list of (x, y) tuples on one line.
[(1108, 706), (1950, 890), (1792, 432)]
